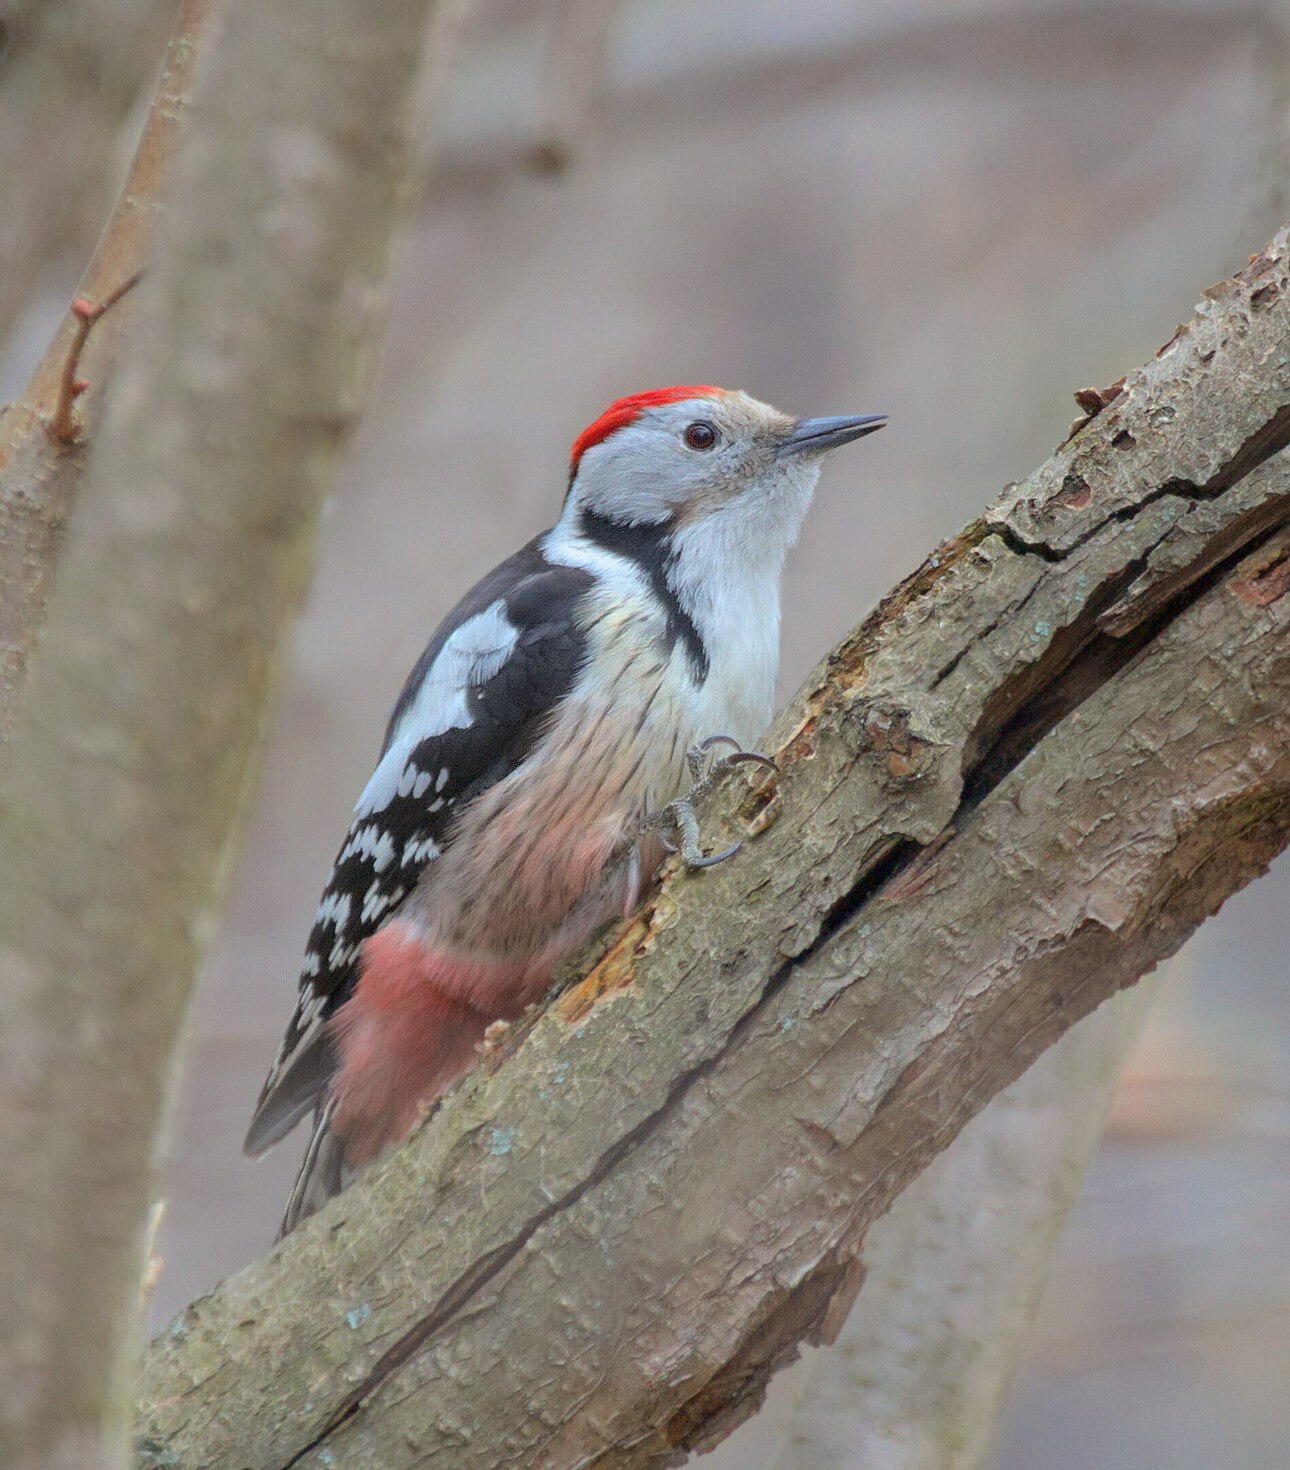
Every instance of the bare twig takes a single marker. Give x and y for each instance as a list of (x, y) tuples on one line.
[(62, 422), (71, 74), (39, 479)]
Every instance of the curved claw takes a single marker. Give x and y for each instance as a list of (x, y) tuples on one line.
[(678, 815), (707, 744), (687, 829), (738, 755), (750, 757)]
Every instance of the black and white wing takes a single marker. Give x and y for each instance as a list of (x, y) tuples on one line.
[(469, 714)]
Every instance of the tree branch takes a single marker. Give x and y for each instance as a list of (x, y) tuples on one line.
[(183, 568), (69, 76), (40, 476), (576, 64), (62, 426), (954, 1271), (1014, 789)]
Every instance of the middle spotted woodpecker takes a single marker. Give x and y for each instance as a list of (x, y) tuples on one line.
[(537, 755)]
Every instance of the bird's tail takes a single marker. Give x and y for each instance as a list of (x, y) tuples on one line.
[(323, 1172)]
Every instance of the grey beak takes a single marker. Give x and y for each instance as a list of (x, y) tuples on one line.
[(813, 436)]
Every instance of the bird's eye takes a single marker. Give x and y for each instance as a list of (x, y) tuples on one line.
[(700, 434)]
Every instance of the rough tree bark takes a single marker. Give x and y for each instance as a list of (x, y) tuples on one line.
[(955, 1269), (184, 564), (1013, 790)]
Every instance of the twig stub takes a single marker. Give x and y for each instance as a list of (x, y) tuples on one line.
[(62, 426)]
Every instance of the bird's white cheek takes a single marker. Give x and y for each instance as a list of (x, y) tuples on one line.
[(789, 499)]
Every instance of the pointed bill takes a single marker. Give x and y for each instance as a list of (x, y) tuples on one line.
[(813, 436)]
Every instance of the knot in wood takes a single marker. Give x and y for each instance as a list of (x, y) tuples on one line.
[(888, 733), (1264, 578)]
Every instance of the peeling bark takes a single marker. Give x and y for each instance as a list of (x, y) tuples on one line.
[(1022, 782)]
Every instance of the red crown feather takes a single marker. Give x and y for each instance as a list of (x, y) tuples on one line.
[(623, 410)]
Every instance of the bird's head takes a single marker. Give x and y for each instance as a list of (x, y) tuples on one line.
[(702, 464)]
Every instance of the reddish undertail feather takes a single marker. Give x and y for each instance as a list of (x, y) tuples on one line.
[(404, 1037), (623, 410)]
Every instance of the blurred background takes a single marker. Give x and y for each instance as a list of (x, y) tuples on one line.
[(955, 212)]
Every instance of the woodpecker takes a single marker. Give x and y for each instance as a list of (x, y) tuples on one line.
[(534, 763)]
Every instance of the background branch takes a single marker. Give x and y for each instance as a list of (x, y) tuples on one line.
[(69, 76), (1019, 785), (573, 81), (184, 566), (40, 477)]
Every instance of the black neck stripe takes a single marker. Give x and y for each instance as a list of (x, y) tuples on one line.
[(647, 546)]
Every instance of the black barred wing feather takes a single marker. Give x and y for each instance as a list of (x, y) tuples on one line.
[(468, 715)]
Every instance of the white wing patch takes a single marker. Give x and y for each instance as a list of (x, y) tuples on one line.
[(472, 655), (333, 909), (310, 1005), (371, 842), (341, 954), (376, 901), (420, 850)]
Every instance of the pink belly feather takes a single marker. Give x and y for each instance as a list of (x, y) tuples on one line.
[(538, 863)]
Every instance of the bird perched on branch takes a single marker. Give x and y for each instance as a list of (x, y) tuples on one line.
[(534, 764)]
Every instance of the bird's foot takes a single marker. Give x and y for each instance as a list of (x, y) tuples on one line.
[(677, 819)]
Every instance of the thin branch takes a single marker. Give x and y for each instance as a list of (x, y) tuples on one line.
[(62, 422), (1046, 757), (71, 74), (573, 81), (39, 479)]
